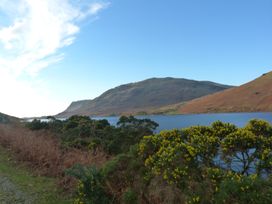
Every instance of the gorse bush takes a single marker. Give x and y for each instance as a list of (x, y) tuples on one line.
[(192, 156), (244, 190)]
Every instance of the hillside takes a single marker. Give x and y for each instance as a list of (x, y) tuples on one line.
[(143, 96), (255, 96), (7, 119)]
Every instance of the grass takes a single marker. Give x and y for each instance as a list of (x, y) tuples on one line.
[(43, 189)]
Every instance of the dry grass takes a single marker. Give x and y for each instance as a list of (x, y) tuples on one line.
[(43, 154)]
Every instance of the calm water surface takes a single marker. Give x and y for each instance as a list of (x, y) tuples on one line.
[(167, 122)]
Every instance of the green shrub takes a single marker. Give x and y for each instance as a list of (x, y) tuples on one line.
[(129, 197), (244, 190), (83, 132), (37, 125), (91, 185)]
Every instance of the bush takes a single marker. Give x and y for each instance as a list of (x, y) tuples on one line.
[(244, 190), (123, 172), (130, 197), (83, 133), (91, 185), (191, 157), (37, 125)]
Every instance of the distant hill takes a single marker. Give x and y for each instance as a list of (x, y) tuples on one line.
[(143, 96), (7, 119), (255, 96)]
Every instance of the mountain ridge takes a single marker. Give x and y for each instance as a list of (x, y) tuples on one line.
[(143, 96)]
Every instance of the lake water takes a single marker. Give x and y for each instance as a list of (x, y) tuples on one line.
[(167, 122)]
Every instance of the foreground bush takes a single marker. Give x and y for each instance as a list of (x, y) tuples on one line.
[(244, 190), (91, 185), (194, 156)]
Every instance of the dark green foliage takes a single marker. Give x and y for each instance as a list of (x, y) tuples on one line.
[(91, 185), (244, 190), (37, 125), (129, 197), (144, 125), (130, 131), (52, 124), (83, 132), (123, 173), (55, 125), (124, 167)]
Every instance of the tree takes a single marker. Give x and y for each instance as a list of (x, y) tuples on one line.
[(240, 151)]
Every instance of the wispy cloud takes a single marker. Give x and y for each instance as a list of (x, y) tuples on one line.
[(93, 9), (33, 32), (40, 28)]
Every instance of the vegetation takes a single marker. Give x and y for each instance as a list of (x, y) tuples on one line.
[(220, 163), (84, 133), (222, 157), (23, 185), (91, 186), (43, 154)]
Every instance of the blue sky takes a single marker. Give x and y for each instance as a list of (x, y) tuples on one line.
[(97, 45)]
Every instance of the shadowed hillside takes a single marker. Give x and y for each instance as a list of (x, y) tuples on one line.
[(7, 119), (143, 96), (255, 96)]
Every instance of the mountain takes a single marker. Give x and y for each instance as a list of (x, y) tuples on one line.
[(255, 96), (7, 119), (143, 96)]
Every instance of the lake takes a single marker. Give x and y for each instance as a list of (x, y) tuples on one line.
[(167, 122)]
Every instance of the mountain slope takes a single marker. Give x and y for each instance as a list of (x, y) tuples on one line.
[(143, 96), (255, 96), (7, 119)]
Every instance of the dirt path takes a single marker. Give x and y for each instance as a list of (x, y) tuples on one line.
[(19, 186), (10, 193)]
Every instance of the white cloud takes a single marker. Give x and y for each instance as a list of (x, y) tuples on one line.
[(93, 9), (31, 39), (96, 7)]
